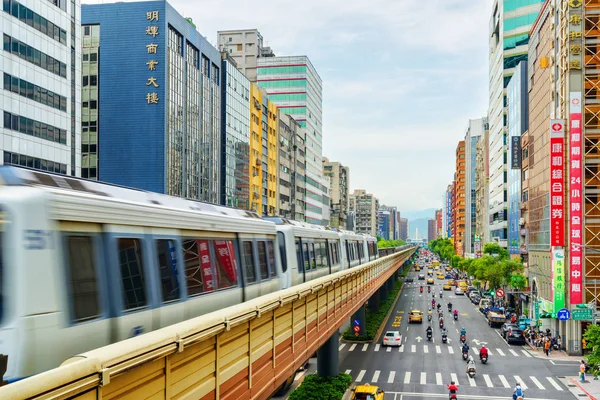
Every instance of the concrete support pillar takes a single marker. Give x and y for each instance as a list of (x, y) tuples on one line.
[(360, 316), (572, 338), (374, 302), (383, 292), (328, 356)]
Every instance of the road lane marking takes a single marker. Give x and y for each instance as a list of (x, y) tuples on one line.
[(487, 380), (407, 378), (500, 352), (389, 349), (438, 379), (413, 348), (450, 350), (300, 375), (342, 346), (375, 376), (475, 351), (423, 378), (537, 383), (438, 349), (348, 371), (365, 347), (526, 353), (472, 381), (361, 375), (518, 379), (425, 348), (553, 383), (401, 349), (489, 352), (514, 353), (377, 347), (454, 378), (392, 376), (504, 381), (352, 347)]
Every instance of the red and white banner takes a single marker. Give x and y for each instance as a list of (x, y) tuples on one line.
[(576, 197), (226, 256), (557, 174), (207, 275)]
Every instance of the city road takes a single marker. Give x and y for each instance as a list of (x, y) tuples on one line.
[(422, 369)]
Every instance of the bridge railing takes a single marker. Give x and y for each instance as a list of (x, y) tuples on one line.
[(244, 351)]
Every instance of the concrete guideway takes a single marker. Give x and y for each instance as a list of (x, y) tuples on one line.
[(241, 352)]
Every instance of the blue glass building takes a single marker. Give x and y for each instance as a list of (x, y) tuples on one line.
[(518, 123), (158, 99)]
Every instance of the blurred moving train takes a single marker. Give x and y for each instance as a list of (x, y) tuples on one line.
[(85, 264)]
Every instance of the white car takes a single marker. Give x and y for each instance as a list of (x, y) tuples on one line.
[(392, 338), (459, 291)]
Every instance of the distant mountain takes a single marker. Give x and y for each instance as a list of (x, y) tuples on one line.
[(413, 215), (419, 223)]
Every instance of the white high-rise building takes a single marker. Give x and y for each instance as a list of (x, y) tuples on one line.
[(474, 132), (40, 63), (510, 25)]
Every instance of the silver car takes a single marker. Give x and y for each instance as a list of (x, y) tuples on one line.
[(392, 338)]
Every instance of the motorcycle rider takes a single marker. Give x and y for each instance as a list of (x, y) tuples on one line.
[(429, 331), (463, 331), (465, 349), (456, 313), (470, 364), (453, 388), (442, 323), (428, 289), (439, 306), (483, 352), (441, 293), (449, 306), (519, 391)]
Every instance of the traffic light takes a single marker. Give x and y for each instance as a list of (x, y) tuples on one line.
[(547, 315)]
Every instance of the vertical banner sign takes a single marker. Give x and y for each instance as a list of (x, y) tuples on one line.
[(557, 219), (576, 197), (558, 269), (515, 152), (207, 275)]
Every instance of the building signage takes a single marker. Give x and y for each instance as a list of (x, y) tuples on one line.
[(515, 152), (576, 200), (575, 44), (557, 173), (558, 277), (582, 314), (152, 48)]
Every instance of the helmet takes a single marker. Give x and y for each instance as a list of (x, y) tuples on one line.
[(452, 382)]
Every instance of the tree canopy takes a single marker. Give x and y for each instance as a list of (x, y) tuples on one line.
[(592, 337), (443, 248), (384, 244)]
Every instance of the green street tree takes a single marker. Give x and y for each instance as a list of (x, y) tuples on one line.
[(592, 337)]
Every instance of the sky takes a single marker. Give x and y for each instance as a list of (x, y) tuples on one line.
[(401, 79)]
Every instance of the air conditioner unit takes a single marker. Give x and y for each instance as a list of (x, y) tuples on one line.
[(521, 221)]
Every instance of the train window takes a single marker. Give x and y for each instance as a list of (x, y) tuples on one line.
[(132, 273), (271, 254), (262, 260), (82, 271), (311, 251), (249, 262), (299, 255), (226, 264), (167, 268), (326, 254), (318, 255), (199, 275), (306, 259), (281, 243)]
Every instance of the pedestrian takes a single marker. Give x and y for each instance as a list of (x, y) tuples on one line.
[(559, 342), (582, 371), (513, 319), (547, 348)]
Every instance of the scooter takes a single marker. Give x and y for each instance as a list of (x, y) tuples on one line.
[(483, 359), (453, 396), (456, 317), (463, 339), (465, 355), (428, 289), (429, 336), (421, 289), (449, 308), (472, 371), (444, 338), (429, 317), (441, 324), (441, 295)]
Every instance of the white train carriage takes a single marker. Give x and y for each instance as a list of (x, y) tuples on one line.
[(371, 247), (354, 249), (307, 251), (85, 264)]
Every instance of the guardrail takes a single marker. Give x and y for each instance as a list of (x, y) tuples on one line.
[(244, 351)]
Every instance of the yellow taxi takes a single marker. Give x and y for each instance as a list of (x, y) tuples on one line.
[(450, 282), (463, 285), (367, 392), (417, 268), (430, 272), (415, 316), (448, 269), (440, 276), (447, 286), (430, 281)]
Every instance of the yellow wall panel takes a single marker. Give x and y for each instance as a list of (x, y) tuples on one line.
[(230, 370), (121, 384)]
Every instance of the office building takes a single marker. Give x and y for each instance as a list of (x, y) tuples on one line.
[(481, 192), (518, 123), (292, 170), (160, 96), (264, 125), (339, 184), (394, 226), (294, 85), (510, 24), (383, 225), (235, 139), (431, 229), (245, 47), (41, 72), (475, 131), (365, 207), (403, 228), (460, 200), (449, 211), (438, 223)]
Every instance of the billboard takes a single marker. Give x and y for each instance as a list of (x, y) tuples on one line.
[(558, 277), (557, 174), (576, 200), (515, 152)]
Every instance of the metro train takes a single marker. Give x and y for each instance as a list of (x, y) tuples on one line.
[(85, 264)]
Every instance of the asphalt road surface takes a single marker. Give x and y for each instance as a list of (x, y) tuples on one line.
[(421, 369)]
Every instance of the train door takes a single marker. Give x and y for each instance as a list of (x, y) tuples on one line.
[(130, 280)]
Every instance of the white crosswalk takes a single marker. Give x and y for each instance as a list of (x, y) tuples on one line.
[(490, 381), (439, 349)]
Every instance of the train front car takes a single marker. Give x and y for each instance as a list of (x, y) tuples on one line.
[(353, 249), (307, 251), (371, 247), (84, 264)]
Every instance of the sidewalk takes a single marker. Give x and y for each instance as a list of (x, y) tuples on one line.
[(589, 387), (554, 354)]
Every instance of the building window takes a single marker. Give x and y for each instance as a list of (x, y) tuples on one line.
[(33, 162), (35, 93), (35, 21)]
